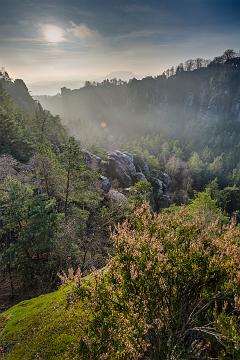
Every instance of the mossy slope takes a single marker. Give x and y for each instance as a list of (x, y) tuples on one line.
[(45, 327)]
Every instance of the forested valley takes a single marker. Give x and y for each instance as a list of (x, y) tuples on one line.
[(119, 217)]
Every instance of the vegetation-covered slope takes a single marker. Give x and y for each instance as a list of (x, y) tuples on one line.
[(24, 124), (42, 328), (52, 212), (170, 292), (196, 102)]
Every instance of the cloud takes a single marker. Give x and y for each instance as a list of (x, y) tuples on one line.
[(83, 32), (137, 8), (139, 34)]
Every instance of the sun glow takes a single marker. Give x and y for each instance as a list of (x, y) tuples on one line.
[(53, 33)]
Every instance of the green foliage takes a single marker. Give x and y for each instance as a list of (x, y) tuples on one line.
[(140, 193), (80, 181), (47, 128), (196, 167), (216, 167), (229, 199), (21, 131), (203, 201), (148, 147), (235, 177), (13, 139), (29, 226), (190, 167)]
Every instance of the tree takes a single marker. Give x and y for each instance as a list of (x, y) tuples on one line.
[(229, 54), (199, 63), (47, 173), (47, 128), (79, 179), (196, 167), (13, 133), (229, 199), (235, 176), (140, 192), (189, 65), (29, 227), (180, 68), (216, 167)]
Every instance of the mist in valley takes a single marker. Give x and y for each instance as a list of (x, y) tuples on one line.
[(183, 102)]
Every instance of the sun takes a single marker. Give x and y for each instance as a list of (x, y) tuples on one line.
[(53, 33)]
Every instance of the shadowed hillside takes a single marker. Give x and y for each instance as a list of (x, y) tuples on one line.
[(184, 103)]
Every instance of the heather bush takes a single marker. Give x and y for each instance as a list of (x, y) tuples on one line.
[(172, 290)]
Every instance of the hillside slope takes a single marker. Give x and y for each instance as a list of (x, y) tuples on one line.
[(24, 123), (205, 100), (170, 292), (42, 328)]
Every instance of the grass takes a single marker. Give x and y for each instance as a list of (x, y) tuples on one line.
[(43, 328)]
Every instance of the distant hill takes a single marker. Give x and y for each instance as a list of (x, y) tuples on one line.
[(52, 87), (123, 75), (180, 103)]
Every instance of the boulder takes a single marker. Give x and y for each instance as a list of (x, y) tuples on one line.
[(139, 177), (141, 166), (165, 178), (106, 185), (116, 198), (129, 169), (122, 168), (160, 202), (159, 199), (93, 161), (158, 186)]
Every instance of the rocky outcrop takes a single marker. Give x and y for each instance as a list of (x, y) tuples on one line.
[(105, 184), (141, 166), (129, 169), (116, 198), (159, 197), (93, 161), (122, 168)]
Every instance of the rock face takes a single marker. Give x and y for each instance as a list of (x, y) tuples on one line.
[(122, 168), (106, 185), (159, 198), (141, 166), (129, 169), (93, 161)]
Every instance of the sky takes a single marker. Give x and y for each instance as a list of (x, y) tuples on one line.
[(56, 42)]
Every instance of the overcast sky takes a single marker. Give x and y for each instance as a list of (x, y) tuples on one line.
[(57, 40)]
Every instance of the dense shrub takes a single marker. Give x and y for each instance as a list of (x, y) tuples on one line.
[(172, 290)]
